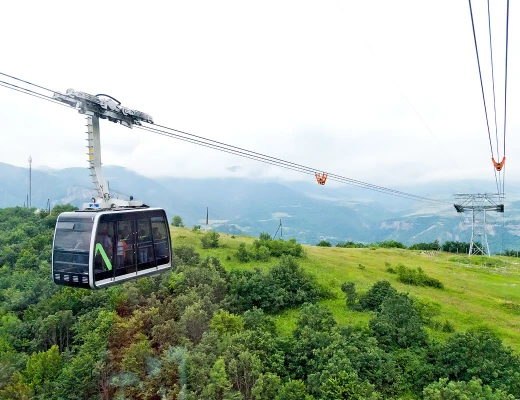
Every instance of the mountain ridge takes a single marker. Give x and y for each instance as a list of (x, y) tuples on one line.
[(309, 212)]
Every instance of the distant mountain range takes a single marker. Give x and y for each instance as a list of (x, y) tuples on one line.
[(307, 211)]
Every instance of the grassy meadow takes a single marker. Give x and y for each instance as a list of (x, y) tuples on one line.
[(478, 291)]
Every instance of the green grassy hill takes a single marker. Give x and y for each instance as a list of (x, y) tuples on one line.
[(479, 291)]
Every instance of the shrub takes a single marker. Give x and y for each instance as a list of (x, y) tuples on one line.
[(187, 255), (417, 277), (324, 243), (285, 285), (261, 254), (349, 288), (391, 244), (376, 295), (242, 255), (210, 240)]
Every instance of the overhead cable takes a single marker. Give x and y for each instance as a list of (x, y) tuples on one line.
[(220, 146)]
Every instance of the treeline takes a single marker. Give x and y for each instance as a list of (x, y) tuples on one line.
[(449, 246), (203, 332)]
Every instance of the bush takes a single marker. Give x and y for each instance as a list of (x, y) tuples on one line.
[(261, 254), (210, 240), (417, 277), (196, 228), (280, 247), (391, 244), (285, 285), (376, 295), (242, 255), (349, 288), (187, 255), (324, 243)]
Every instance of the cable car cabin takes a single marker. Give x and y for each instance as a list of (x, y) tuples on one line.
[(96, 249)]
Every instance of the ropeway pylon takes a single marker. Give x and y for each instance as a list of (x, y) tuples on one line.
[(479, 205)]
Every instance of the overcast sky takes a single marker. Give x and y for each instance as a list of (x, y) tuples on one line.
[(386, 92)]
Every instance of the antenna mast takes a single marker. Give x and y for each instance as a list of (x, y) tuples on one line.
[(29, 199)]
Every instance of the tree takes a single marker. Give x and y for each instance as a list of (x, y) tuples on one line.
[(445, 390), (219, 386), (177, 221), (375, 296), (293, 390), (266, 386), (398, 324)]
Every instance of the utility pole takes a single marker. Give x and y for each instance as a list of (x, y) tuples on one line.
[(479, 205), (29, 201)]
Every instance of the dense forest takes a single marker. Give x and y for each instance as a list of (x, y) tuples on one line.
[(205, 332)]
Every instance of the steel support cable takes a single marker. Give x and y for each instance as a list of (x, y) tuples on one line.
[(21, 80), (282, 163), (32, 93), (482, 88), (219, 148), (309, 169), (260, 159), (505, 92), (493, 79), (240, 151), (500, 182)]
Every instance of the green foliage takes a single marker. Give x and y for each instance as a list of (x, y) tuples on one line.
[(450, 390), (210, 240), (456, 247), (265, 237), (266, 386), (285, 285), (398, 324), (391, 244), (42, 369), (262, 253), (324, 243), (136, 355), (417, 277), (196, 228), (293, 390), (174, 336), (346, 385), (375, 296), (479, 354), (349, 288), (177, 221), (351, 245), (225, 323), (242, 254), (280, 247), (433, 246), (219, 386), (186, 255)]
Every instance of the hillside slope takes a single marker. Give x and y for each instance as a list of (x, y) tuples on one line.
[(479, 292)]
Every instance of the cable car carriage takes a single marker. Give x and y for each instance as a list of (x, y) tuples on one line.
[(96, 249), (111, 240)]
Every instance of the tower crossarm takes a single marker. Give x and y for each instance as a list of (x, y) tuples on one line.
[(462, 208), (105, 107)]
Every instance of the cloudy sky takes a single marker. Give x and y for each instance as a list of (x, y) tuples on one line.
[(386, 92)]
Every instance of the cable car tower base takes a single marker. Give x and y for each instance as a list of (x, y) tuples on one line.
[(479, 205)]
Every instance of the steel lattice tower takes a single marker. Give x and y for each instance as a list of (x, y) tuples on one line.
[(479, 205)]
